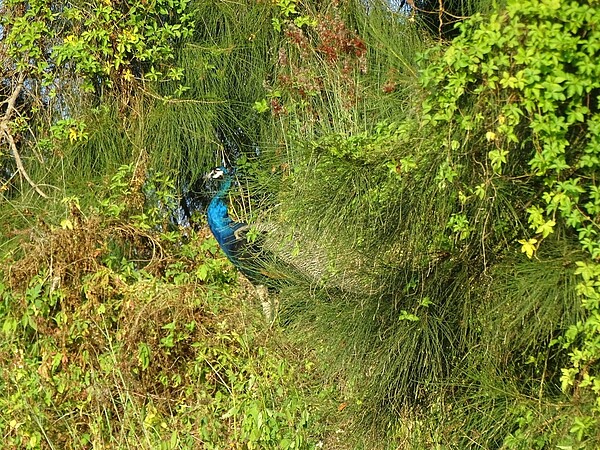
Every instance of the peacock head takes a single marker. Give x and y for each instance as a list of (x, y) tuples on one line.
[(218, 173)]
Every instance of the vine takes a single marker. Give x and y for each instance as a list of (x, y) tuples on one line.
[(523, 86)]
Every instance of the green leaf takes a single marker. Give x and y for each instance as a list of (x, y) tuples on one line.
[(547, 228), (405, 315), (426, 301), (261, 106), (276, 24)]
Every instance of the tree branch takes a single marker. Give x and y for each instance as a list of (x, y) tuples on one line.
[(4, 127)]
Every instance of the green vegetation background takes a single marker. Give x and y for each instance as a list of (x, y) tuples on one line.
[(435, 203)]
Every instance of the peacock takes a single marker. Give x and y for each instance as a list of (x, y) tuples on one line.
[(276, 256), (222, 226), (267, 259), (226, 231)]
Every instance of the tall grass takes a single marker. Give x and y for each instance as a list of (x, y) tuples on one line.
[(436, 315)]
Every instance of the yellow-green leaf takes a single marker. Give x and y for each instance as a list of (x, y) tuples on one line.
[(490, 136), (546, 228), (528, 246), (66, 224)]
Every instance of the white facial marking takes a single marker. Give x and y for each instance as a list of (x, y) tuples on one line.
[(216, 173)]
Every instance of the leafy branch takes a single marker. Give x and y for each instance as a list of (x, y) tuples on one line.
[(522, 85)]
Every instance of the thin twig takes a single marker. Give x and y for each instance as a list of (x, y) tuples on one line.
[(17, 156)]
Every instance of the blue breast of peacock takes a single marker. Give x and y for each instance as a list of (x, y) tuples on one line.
[(222, 226)]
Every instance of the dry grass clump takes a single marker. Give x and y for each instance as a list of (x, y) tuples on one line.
[(66, 254), (121, 323)]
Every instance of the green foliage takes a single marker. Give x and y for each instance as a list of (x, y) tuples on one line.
[(525, 79), (545, 84), (144, 333), (106, 42), (455, 226), (142, 46), (288, 14), (65, 65), (442, 202)]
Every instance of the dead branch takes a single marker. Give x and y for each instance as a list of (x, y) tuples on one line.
[(6, 131)]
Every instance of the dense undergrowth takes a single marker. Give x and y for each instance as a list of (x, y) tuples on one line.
[(118, 333), (466, 207), (443, 195)]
